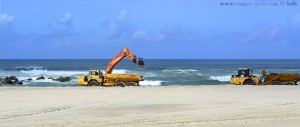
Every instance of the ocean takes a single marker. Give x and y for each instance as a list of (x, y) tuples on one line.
[(156, 72)]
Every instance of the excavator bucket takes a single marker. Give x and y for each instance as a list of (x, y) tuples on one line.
[(139, 62)]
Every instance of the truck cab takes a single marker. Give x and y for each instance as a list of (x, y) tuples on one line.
[(94, 78), (245, 76)]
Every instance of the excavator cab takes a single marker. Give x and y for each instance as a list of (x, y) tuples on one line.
[(139, 62)]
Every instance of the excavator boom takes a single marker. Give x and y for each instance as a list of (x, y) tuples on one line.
[(125, 52)]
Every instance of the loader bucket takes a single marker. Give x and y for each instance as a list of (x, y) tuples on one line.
[(139, 62)]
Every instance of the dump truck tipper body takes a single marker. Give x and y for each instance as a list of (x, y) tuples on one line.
[(280, 78)]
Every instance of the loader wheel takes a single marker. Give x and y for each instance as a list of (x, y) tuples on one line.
[(248, 82), (290, 83), (276, 83), (131, 84), (122, 84), (93, 83)]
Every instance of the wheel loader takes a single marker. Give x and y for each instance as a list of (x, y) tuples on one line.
[(97, 78), (246, 76)]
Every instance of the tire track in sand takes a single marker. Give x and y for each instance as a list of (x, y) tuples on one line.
[(125, 96), (156, 118)]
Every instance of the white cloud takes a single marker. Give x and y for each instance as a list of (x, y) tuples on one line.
[(118, 28), (262, 34), (6, 24), (122, 15), (295, 20), (139, 34), (66, 22), (4, 18), (67, 17)]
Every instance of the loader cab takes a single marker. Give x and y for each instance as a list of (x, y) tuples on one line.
[(245, 76), (244, 72)]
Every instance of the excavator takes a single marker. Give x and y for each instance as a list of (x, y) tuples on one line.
[(97, 78)]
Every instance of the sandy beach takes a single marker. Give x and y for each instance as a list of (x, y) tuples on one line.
[(207, 105)]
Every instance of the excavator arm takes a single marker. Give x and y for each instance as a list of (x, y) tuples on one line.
[(125, 52)]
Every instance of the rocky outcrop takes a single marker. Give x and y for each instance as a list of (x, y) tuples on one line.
[(63, 79), (13, 80), (40, 78), (7, 80), (10, 80)]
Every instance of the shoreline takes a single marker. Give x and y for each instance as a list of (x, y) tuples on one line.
[(189, 105)]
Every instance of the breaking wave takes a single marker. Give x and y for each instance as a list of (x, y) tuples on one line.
[(180, 70), (120, 71), (150, 83), (52, 73), (28, 68), (38, 72), (221, 78)]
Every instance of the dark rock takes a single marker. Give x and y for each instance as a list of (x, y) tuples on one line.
[(13, 78), (63, 79), (40, 78), (7, 80), (29, 79), (51, 78), (20, 82)]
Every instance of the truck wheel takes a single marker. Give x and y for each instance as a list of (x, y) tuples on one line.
[(122, 84), (248, 82), (131, 84), (290, 83), (93, 83), (276, 83)]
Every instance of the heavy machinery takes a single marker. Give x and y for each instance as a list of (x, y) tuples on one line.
[(96, 77), (246, 76)]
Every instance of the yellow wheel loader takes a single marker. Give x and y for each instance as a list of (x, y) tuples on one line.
[(246, 76)]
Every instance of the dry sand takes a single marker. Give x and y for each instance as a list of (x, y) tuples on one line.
[(217, 105)]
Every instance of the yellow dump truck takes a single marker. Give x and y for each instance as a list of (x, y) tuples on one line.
[(246, 76), (97, 78)]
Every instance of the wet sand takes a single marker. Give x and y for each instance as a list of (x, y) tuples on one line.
[(208, 105)]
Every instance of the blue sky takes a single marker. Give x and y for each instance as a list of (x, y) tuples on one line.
[(168, 29)]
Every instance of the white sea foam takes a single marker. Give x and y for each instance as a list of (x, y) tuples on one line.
[(33, 74), (180, 70), (150, 83), (42, 80), (221, 78), (53, 73), (38, 72), (119, 71), (28, 67)]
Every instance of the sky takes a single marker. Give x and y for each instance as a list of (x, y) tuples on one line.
[(151, 29)]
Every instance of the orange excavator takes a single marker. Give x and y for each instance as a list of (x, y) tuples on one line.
[(122, 54), (96, 77)]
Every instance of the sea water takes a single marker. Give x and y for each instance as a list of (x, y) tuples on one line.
[(156, 72)]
